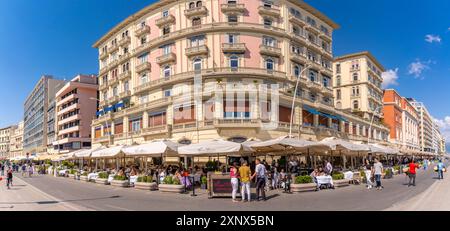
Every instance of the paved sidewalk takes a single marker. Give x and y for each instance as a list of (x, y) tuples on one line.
[(435, 198), (25, 197)]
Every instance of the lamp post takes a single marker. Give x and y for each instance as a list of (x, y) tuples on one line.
[(371, 123), (294, 98), (107, 126)]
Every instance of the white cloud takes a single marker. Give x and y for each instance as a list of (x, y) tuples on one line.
[(444, 125), (433, 38), (390, 77), (416, 68)]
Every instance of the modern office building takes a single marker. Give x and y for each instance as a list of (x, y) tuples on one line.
[(51, 127), (36, 107), (231, 50), (426, 126), (16, 141), (5, 137), (357, 85), (402, 119), (76, 107)]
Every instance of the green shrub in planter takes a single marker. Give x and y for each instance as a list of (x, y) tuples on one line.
[(397, 167), (117, 177), (303, 179), (73, 171), (84, 174), (145, 179), (204, 180), (103, 175), (363, 174), (176, 181), (338, 176), (168, 180)]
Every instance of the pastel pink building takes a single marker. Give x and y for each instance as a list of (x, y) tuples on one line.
[(76, 106)]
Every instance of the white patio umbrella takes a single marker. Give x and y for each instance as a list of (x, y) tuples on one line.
[(211, 147), (377, 148), (285, 143), (111, 152), (153, 149), (344, 146)]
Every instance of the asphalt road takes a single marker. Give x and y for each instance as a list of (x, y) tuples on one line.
[(91, 196)]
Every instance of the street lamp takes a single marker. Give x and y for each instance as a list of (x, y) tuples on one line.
[(371, 123), (294, 97), (107, 126)]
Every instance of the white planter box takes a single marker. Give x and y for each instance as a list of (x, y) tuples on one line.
[(146, 186), (171, 188), (341, 183), (120, 183), (101, 181), (303, 187), (72, 176), (84, 178)]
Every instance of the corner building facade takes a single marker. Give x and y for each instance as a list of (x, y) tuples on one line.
[(149, 61)]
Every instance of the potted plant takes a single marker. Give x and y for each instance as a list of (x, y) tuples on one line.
[(145, 183), (339, 181), (204, 182), (396, 169), (363, 176), (84, 176), (388, 173), (102, 178), (172, 185), (120, 181), (303, 184)]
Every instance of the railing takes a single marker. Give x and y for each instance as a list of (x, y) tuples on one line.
[(233, 47), (232, 7), (185, 126), (143, 67), (165, 20), (166, 58), (195, 11), (125, 40), (125, 75), (196, 50), (269, 50), (142, 30), (269, 11)]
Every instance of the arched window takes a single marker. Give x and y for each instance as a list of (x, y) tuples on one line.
[(269, 64), (355, 76), (197, 64), (199, 3), (167, 71), (338, 81), (339, 105), (192, 5), (144, 78), (185, 141), (196, 22), (234, 61), (297, 70), (355, 104)]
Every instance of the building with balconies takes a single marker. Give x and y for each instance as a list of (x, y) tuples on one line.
[(222, 58), (76, 107), (16, 141), (426, 126), (357, 85), (5, 137)]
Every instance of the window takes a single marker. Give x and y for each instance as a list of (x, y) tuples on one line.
[(197, 41), (313, 76), (115, 91), (232, 38), (297, 70), (144, 78), (234, 61), (196, 22), (165, 13), (105, 95), (338, 81), (192, 5), (166, 30), (126, 86), (232, 18), (267, 22), (168, 93), (269, 41), (324, 30), (355, 104), (231, 1), (338, 94), (355, 77), (297, 49), (268, 4), (269, 64), (143, 40), (135, 126), (166, 49), (143, 58), (355, 91), (167, 71), (311, 21), (199, 4), (312, 56), (143, 24), (326, 81), (197, 64), (338, 68)]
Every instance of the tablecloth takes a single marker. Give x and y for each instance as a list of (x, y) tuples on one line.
[(92, 176), (348, 175), (110, 178), (62, 172), (321, 180), (133, 179)]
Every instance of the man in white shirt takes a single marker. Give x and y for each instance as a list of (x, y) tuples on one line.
[(260, 174), (328, 168), (378, 170)]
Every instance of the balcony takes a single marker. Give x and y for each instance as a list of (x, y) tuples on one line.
[(123, 58), (167, 58), (67, 99), (233, 47), (103, 55), (103, 86), (325, 36), (113, 64), (69, 119), (143, 67), (124, 75), (313, 29), (197, 50), (163, 129), (125, 94), (314, 86), (269, 11), (197, 11), (184, 127), (270, 51), (69, 130), (69, 108), (124, 41), (241, 123), (141, 48), (163, 21), (298, 58), (326, 71), (232, 8), (297, 20), (141, 31), (328, 91), (103, 70), (113, 48), (103, 139)]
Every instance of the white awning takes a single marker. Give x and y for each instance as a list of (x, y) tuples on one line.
[(86, 153), (155, 148), (111, 152), (345, 146), (214, 147), (376, 148), (284, 143)]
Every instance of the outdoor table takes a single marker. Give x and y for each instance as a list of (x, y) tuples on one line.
[(62, 172), (133, 179), (348, 175), (92, 176), (110, 178), (324, 180)]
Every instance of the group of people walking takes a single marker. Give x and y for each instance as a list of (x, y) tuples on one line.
[(244, 175)]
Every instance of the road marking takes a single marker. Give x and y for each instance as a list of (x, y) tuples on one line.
[(119, 208)]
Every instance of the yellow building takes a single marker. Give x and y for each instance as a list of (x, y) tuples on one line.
[(151, 61), (16, 141)]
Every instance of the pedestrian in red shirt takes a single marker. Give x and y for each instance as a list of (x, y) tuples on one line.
[(412, 173)]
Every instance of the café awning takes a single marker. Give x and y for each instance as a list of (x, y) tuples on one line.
[(112, 152), (155, 148), (285, 143), (214, 147), (341, 145)]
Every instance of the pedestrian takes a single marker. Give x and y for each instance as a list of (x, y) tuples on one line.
[(234, 181), (275, 178), (9, 178), (245, 173), (3, 169), (425, 164), (412, 173), (378, 170), (24, 167), (368, 172), (30, 170), (440, 170), (260, 175), (328, 168)]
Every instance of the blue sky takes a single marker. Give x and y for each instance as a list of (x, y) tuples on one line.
[(409, 37)]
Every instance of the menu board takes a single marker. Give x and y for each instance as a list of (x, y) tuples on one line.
[(219, 185)]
